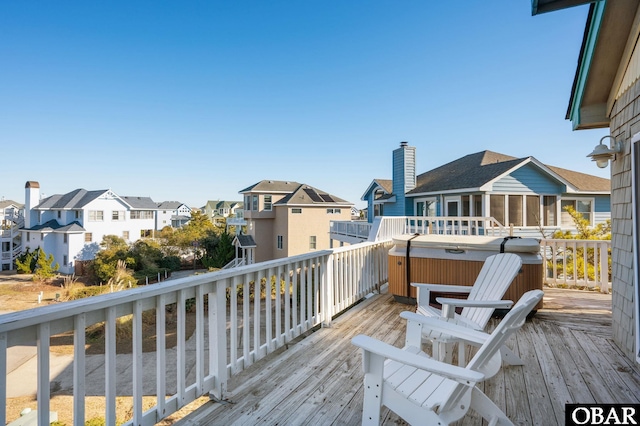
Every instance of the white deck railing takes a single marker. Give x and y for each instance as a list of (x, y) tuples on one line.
[(577, 263), (387, 226), (302, 292), (351, 228)]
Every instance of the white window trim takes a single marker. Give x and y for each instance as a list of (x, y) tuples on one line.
[(455, 199), (425, 200)]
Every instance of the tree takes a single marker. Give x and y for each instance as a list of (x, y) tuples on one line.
[(601, 231), (26, 262), (46, 267), (225, 250)]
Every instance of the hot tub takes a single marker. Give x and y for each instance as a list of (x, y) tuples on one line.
[(457, 259)]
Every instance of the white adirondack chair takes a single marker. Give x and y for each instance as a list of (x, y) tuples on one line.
[(425, 391), (484, 297)]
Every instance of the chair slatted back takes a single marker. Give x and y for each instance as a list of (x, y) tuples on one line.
[(497, 273)]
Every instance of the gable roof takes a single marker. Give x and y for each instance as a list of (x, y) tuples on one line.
[(385, 184), (280, 186), (481, 168), (245, 241), (72, 200), (308, 195), (7, 203), (470, 171), (145, 203), (170, 205)]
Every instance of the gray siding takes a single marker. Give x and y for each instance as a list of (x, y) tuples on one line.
[(625, 122)]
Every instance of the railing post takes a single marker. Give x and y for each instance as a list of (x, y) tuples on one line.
[(3, 379), (326, 292), (604, 267), (218, 337)]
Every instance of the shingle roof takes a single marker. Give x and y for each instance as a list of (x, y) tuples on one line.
[(169, 205), (306, 194), (272, 186), (475, 170), (140, 202), (386, 184), (470, 171), (583, 181), (246, 241), (53, 225), (7, 203), (72, 200)]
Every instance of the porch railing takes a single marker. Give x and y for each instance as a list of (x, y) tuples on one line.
[(246, 313), (387, 226), (577, 263)]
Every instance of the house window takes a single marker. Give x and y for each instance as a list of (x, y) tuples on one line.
[(296, 210), (88, 237), (549, 210), (515, 210), (279, 242), (334, 211), (59, 214), (477, 206), (254, 203), (28, 236), (496, 208), (378, 210), (65, 260), (146, 233), (267, 203), (142, 214), (533, 210), (42, 237), (78, 214), (465, 202), (125, 235), (452, 206), (312, 242), (65, 238), (247, 201), (96, 215), (581, 206), (117, 215)]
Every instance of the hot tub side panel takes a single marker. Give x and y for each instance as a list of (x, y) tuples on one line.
[(459, 272)]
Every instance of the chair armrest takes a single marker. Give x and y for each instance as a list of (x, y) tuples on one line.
[(443, 288), (459, 374), (424, 291), (466, 303), (442, 325)]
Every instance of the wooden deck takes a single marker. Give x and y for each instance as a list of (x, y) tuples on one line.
[(568, 353)]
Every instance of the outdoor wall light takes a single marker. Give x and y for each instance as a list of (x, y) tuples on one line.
[(601, 154)]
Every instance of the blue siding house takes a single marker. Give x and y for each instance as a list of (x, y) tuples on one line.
[(521, 192)]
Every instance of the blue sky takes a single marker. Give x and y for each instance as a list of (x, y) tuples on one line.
[(194, 101)]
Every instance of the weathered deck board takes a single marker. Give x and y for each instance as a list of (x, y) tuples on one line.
[(568, 353)]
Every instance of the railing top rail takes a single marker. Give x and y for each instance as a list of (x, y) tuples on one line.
[(571, 240), (21, 319)]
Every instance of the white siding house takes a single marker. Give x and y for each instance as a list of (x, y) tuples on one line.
[(172, 213), (11, 219), (71, 226)]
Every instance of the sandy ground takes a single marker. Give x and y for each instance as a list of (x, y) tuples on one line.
[(20, 292)]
